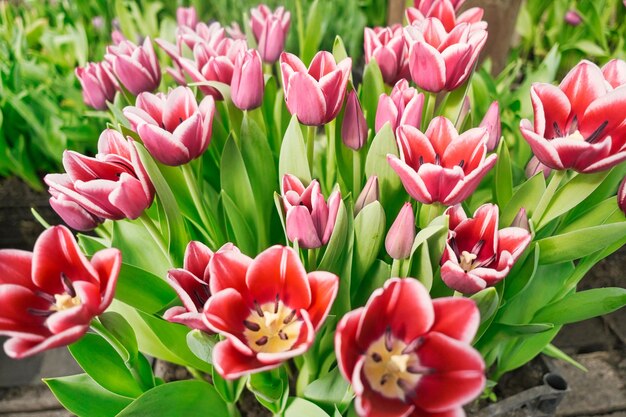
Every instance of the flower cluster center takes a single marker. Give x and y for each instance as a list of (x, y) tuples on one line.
[(466, 260), (272, 327), (64, 301)]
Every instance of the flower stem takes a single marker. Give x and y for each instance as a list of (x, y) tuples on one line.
[(312, 261), (553, 185), (213, 233), (156, 235), (310, 146), (356, 173)]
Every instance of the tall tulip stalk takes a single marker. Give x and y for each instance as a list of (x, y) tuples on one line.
[(308, 237)]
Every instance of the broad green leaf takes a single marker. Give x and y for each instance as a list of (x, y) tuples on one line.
[(384, 143), (316, 24), (82, 396), (503, 184), (243, 235), (331, 389), (90, 244), (606, 212), (523, 329), (369, 234), (118, 327), (487, 302), (142, 289), (527, 196), (583, 305), (201, 344), (337, 243), (373, 87), (522, 273), (375, 278), (271, 388), (293, 159), (555, 352), (521, 350), (339, 50), (230, 391), (299, 407)]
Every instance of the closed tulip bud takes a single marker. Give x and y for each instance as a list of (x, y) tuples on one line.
[(491, 122), (621, 196), (573, 18), (354, 126), (534, 167), (521, 220), (270, 30), (399, 240), (137, 67), (187, 16), (369, 194), (98, 83), (248, 84)]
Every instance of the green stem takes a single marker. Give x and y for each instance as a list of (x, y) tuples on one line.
[(233, 411), (310, 146), (331, 165), (208, 220), (356, 173), (156, 235), (312, 261), (267, 69), (196, 374), (428, 212), (553, 185), (396, 268)]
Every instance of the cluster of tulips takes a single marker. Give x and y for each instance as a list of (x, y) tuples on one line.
[(386, 282)]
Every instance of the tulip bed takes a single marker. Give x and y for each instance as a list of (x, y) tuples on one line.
[(334, 247)]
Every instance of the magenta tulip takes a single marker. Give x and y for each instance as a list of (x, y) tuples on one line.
[(408, 355), (578, 125), (385, 45), (315, 95), (369, 194), (399, 240), (309, 219), (187, 16), (441, 165), (445, 11), (572, 18), (491, 122), (615, 72), (173, 127), (354, 125), (98, 83), (137, 67), (248, 84), (270, 30), (402, 107), (49, 296)]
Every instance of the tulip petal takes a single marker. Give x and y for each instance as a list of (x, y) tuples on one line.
[(306, 99), (411, 181), (456, 317), (107, 263), (17, 348), (456, 278), (15, 267), (324, 287), (225, 313), (300, 227), (582, 85), (346, 347), (228, 270), (230, 363), (428, 69)]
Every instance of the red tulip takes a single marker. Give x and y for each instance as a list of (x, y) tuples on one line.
[(113, 185), (173, 127), (615, 72), (441, 59), (407, 355), (578, 125), (137, 67), (187, 16), (192, 284), (402, 107), (98, 83), (49, 296), (491, 122), (248, 84), (441, 165), (477, 254), (399, 240), (267, 308), (310, 220), (354, 125), (445, 11), (270, 30), (386, 46), (621, 196), (314, 95)]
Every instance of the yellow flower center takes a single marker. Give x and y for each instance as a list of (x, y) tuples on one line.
[(64, 301), (576, 136), (466, 260), (272, 328)]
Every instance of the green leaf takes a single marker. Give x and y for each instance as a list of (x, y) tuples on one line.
[(331, 389), (503, 184), (522, 349), (527, 196), (104, 365), (373, 87), (375, 278), (298, 407), (142, 289), (82, 396), (583, 305), (243, 235), (175, 399), (555, 352), (579, 243), (201, 344), (230, 391), (271, 388), (293, 159), (339, 49), (487, 302), (119, 328), (369, 233), (316, 24), (523, 329), (384, 143), (604, 213), (337, 243), (139, 248)]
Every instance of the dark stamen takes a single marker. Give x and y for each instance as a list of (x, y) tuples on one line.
[(404, 385), (257, 307), (437, 159), (376, 357), (596, 134), (384, 379), (290, 317), (39, 313), (162, 125), (283, 336), (462, 163), (557, 130), (421, 160), (276, 304), (180, 120), (574, 126), (251, 326), (454, 246), (413, 345), (199, 299), (49, 298), (67, 285), (262, 341), (388, 339)]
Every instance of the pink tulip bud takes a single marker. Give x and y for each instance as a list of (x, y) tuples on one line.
[(98, 22), (521, 220), (402, 107), (535, 166), (135, 66), (491, 122), (270, 30), (615, 72), (354, 126), (369, 194), (117, 37), (98, 83), (621, 196), (187, 16), (399, 240), (248, 83), (573, 18)]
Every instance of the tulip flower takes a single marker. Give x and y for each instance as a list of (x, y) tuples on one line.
[(315, 95), (49, 296), (187, 16), (267, 308), (441, 165), (534, 167), (572, 18), (310, 220), (173, 127), (402, 107), (136, 67), (117, 37), (615, 72), (521, 220), (248, 84), (270, 30), (621, 196), (235, 32), (399, 240), (445, 11), (425, 5), (98, 83), (202, 33), (354, 126), (441, 59), (578, 125), (477, 254), (491, 122), (386, 46), (408, 355), (113, 185), (369, 194), (192, 285)]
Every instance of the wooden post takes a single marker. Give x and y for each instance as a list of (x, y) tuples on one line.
[(395, 11)]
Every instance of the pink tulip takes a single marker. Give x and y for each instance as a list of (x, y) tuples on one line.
[(477, 254), (534, 167), (441, 165), (98, 83), (210, 35), (268, 309), (578, 125), (113, 185), (399, 240), (248, 84), (572, 18), (425, 5), (615, 72), (408, 355), (315, 95), (445, 11), (310, 220), (491, 122), (136, 67), (354, 126), (386, 46), (187, 16), (270, 30), (621, 196), (49, 296), (440, 59), (369, 194), (521, 220), (117, 37), (402, 107), (173, 127), (235, 32)]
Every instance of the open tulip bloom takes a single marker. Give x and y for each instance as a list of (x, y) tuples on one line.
[(306, 236)]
